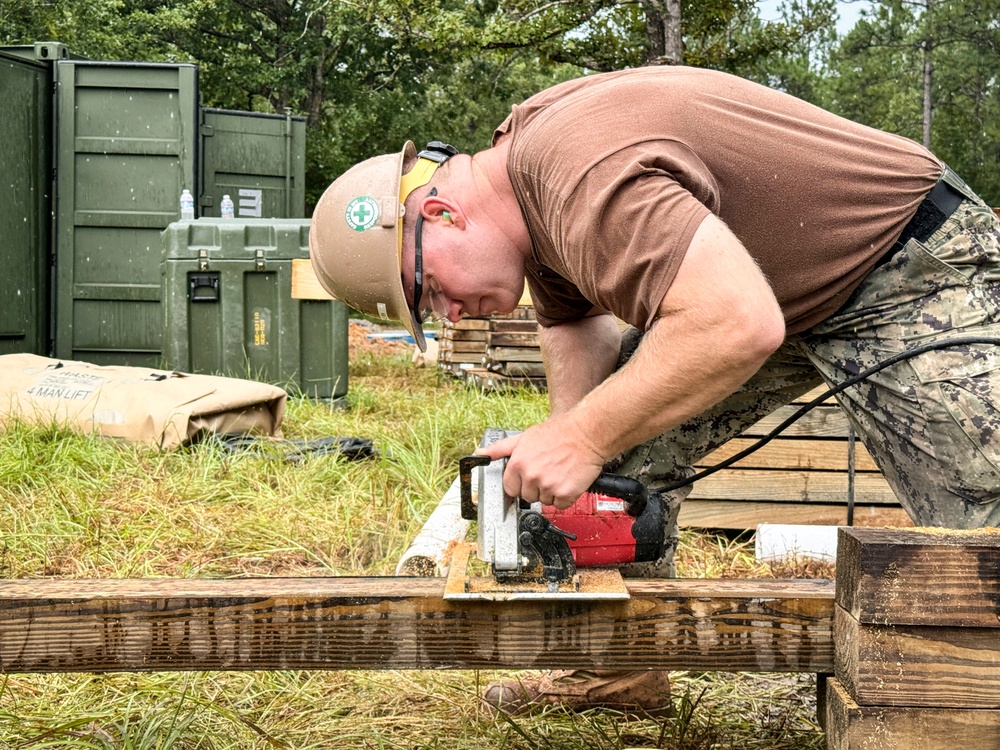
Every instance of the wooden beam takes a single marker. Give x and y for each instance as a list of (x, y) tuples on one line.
[(917, 617), (850, 726), (920, 577), (404, 623), (916, 665)]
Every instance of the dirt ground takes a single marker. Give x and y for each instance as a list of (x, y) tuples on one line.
[(358, 341)]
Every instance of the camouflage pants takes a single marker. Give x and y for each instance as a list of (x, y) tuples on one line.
[(931, 423)]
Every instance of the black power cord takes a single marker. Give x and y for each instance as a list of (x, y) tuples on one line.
[(854, 380)]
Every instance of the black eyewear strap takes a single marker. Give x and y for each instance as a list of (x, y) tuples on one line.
[(418, 265), (439, 152)]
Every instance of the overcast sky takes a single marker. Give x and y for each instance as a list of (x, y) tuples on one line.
[(849, 11)]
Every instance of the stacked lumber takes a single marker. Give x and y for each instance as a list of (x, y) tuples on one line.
[(494, 352), (513, 350), (462, 345), (801, 477), (917, 640)]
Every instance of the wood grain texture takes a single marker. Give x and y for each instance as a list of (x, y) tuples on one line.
[(404, 623), (850, 726), (743, 515), (529, 340), (513, 354), (915, 665), (305, 285), (792, 486), (500, 325), (797, 453), (937, 577), (823, 421)]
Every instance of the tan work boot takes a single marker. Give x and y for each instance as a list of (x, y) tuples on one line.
[(643, 693)]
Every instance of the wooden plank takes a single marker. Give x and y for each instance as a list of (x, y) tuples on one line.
[(823, 421), (518, 369), (472, 358), (920, 577), (404, 623), (916, 665), (305, 285), (457, 369), (850, 726), (513, 326), (792, 486), (514, 339), (454, 345), (743, 515), (489, 379), (469, 324), (513, 354), (458, 334), (829, 455), (814, 394)]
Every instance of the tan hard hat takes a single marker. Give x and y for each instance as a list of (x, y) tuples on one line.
[(356, 235)]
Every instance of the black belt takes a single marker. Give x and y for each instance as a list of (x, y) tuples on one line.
[(933, 211)]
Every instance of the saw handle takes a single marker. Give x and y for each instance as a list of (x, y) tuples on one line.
[(632, 491), (465, 466)]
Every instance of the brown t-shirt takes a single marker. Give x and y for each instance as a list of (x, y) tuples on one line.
[(615, 172)]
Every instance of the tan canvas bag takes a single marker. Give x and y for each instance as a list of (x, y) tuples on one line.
[(159, 407)]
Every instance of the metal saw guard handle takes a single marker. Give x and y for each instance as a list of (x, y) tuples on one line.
[(632, 491), (465, 466)]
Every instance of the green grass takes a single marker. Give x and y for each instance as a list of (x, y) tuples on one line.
[(82, 507)]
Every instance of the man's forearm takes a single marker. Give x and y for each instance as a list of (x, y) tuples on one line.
[(716, 326), (677, 372), (578, 357), (718, 322)]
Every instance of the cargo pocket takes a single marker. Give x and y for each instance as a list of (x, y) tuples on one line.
[(959, 394)]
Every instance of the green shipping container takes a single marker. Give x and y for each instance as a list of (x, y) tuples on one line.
[(26, 201), (126, 137), (228, 307), (258, 160), (97, 155)]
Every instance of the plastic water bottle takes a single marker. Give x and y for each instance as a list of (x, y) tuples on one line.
[(227, 208), (187, 205)]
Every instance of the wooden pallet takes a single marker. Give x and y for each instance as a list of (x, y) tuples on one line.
[(500, 351), (490, 380), (801, 476)]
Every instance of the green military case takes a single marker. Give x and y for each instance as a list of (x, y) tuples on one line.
[(228, 306)]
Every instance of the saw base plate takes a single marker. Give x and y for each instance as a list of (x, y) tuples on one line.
[(590, 584)]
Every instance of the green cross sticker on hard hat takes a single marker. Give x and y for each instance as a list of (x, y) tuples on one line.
[(362, 213)]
